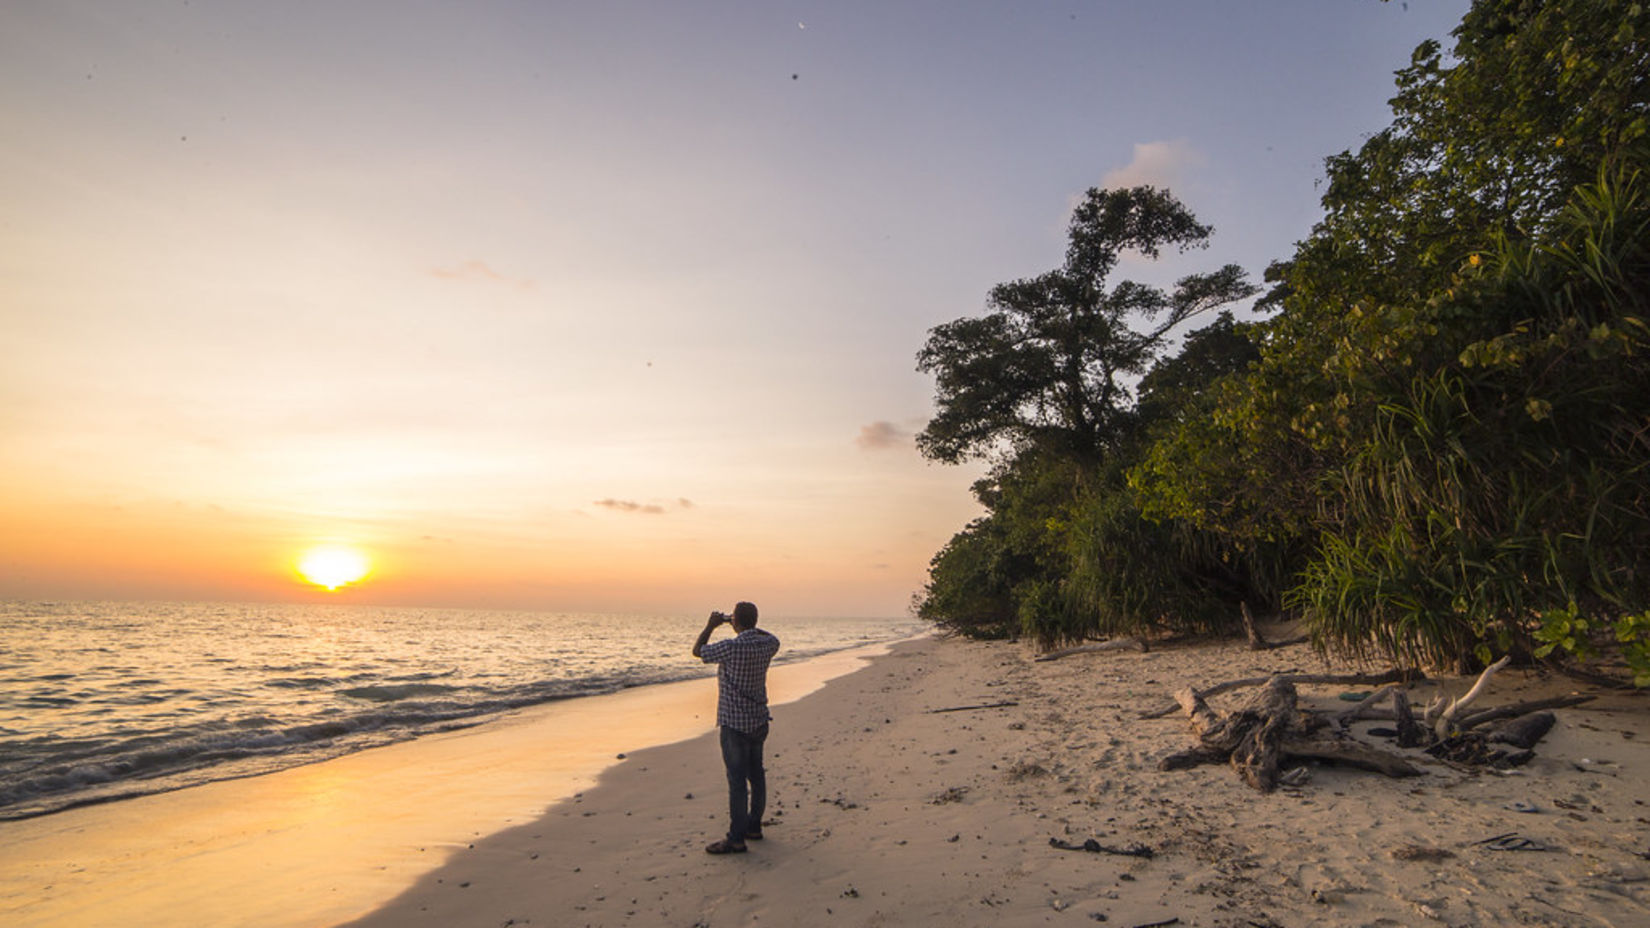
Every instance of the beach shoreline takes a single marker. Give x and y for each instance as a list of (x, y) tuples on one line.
[(926, 789), (920, 787), (319, 843)]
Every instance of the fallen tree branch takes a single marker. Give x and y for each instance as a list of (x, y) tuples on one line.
[(1115, 644), (1352, 753), (1435, 705), (1333, 679), (983, 705), (1524, 732), (1441, 729), (1270, 728), (1197, 710), (1348, 716), (1475, 719)]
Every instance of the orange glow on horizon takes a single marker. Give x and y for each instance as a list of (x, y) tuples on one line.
[(331, 567)]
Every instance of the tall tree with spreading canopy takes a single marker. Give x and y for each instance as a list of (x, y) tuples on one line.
[(1048, 367), (1043, 386)]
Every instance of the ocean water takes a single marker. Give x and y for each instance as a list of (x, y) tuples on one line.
[(105, 701)]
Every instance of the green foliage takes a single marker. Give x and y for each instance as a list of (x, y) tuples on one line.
[(969, 585), (1502, 488), (1488, 140), (1235, 465), (982, 581), (1633, 634), (1087, 562), (1448, 416), (1487, 145), (1057, 562), (1130, 575), (1567, 628), (1174, 388), (1439, 449), (1041, 384)]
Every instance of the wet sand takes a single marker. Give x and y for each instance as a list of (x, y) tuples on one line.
[(318, 844)]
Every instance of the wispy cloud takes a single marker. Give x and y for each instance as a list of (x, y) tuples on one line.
[(882, 435), (1161, 164), (650, 509), (482, 271), (630, 505)]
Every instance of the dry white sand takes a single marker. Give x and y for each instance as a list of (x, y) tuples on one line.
[(887, 812)]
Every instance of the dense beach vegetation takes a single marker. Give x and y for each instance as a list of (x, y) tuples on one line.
[(1434, 449)]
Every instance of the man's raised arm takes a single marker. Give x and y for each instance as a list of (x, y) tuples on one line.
[(716, 618)]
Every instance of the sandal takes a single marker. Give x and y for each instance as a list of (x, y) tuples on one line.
[(724, 847), (753, 835)]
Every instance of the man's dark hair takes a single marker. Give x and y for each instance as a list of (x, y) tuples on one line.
[(744, 615)]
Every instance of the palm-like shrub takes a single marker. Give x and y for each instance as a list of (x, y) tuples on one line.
[(1509, 491)]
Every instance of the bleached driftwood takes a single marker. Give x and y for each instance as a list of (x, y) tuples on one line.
[(1249, 737), (1352, 753), (1435, 705), (1269, 727), (1115, 644), (1475, 719), (1442, 727), (1330, 679), (1348, 716), (1267, 730)]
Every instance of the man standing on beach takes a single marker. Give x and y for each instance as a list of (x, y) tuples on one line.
[(742, 713)]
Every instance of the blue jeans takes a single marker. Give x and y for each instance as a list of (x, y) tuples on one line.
[(742, 753)]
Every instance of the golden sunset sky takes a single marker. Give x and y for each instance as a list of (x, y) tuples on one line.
[(598, 306)]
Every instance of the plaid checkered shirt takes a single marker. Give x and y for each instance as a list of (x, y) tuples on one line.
[(742, 678)]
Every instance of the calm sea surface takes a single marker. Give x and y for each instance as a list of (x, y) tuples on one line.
[(102, 701)]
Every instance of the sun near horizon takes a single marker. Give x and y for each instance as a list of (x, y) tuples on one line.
[(332, 566)]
